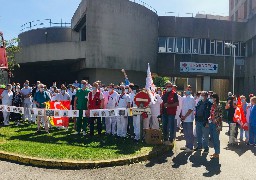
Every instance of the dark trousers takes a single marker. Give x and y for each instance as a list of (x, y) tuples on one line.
[(130, 128), (99, 125)]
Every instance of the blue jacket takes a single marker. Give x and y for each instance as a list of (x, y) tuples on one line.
[(253, 116)]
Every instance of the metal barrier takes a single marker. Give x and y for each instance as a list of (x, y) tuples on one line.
[(43, 24), (144, 4)]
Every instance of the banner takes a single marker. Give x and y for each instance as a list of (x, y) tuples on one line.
[(54, 111), (239, 115), (198, 67)]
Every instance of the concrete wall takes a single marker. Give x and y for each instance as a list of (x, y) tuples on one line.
[(120, 34), (47, 35), (170, 26), (51, 52)]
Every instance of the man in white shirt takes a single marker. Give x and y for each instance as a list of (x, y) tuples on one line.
[(122, 120), (26, 92), (7, 96), (63, 95), (187, 116), (110, 102)]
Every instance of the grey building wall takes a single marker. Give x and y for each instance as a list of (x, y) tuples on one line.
[(120, 34), (47, 35), (200, 28)]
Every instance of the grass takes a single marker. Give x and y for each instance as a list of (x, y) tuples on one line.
[(62, 145)]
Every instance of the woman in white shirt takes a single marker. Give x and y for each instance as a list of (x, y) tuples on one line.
[(6, 97)]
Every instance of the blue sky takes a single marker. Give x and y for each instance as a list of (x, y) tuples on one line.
[(15, 13)]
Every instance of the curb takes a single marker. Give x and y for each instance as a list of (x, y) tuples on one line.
[(69, 164)]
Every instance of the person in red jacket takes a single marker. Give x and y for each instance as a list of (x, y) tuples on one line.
[(169, 108), (95, 101)]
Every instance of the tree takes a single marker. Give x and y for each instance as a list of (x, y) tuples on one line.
[(160, 81), (11, 49)]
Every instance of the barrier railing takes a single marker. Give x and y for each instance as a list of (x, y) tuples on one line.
[(144, 4), (43, 24)]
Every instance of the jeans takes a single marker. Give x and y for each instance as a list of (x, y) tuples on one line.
[(215, 137), (252, 134), (188, 134), (202, 134), (169, 127)]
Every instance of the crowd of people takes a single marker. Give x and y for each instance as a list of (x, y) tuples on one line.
[(171, 110)]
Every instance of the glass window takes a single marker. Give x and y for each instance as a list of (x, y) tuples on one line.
[(227, 50), (249, 47), (208, 46), (187, 46), (179, 45), (237, 48), (202, 46), (219, 47), (162, 44), (195, 46), (171, 45), (212, 46), (243, 49)]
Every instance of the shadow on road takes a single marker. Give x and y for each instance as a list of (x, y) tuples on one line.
[(240, 148), (180, 159), (159, 160), (212, 166)]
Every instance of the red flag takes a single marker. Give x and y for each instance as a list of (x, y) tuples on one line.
[(239, 115), (62, 105)]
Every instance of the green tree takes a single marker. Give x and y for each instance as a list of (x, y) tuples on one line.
[(12, 49), (160, 81)]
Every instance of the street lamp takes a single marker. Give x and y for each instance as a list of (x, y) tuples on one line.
[(229, 45), (191, 14)]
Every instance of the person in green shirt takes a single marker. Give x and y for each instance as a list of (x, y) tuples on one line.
[(80, 103)]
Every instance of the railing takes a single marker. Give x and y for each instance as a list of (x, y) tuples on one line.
[(144, 4), (43, 24)]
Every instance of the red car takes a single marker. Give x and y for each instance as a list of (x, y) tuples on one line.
[(3, 56)]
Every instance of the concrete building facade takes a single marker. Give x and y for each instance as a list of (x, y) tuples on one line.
[(110, 35)]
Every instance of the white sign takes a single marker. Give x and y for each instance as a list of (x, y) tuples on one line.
[(198, 67)]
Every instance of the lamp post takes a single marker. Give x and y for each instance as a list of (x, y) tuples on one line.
[(191, 14), (229, 45)]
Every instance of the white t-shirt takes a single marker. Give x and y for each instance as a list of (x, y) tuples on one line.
[(123, 101), (54, 96), (61, 97), (7, 97), (155, 106), (26, 91), (111, 100), (71, 94), (132, 95), (188, 103)]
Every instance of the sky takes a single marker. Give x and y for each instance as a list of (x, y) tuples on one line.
[(15, 13)]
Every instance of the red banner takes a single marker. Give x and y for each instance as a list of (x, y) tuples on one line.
[(62, 105), (239, 115)]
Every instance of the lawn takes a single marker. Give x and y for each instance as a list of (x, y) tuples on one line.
[(63, 145)]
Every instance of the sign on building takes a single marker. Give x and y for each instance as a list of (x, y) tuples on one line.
[(198, 67)]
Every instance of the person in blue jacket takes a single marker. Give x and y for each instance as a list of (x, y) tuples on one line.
[(252, 123)]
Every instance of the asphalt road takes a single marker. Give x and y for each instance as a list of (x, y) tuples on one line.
[(236, 162)]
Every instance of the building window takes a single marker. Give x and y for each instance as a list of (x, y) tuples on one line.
[(243, 49), (227, 50), (219, 47), (187, 45), (237, 48), (212, 46), (171, 45), (83, 34), (207, 46), (162, 44), (195, 46), (179, 45), (202, 46), (249, 48)]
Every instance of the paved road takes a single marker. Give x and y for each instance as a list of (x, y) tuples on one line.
[(236, 162)]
